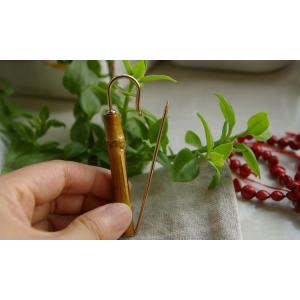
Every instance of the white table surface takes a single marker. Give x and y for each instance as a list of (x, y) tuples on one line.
[(277, 93)]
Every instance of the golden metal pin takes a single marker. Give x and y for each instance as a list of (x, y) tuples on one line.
[(116, 149)]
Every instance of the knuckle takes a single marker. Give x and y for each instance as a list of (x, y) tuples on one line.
[(96, 228)]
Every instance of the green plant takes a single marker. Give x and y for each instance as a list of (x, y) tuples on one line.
[(22, 131)]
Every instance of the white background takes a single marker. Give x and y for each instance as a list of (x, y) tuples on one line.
[(156, 30)]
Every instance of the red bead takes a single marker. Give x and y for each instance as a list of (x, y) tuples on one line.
[(277, 170), (248, 137), (272, 140), (292, 196), (277, 195), (257, 150), (241, 139), (248, 192), (237, 185), (294, 145), (288, 181), (298, 137), (296, 190), (297, 176), (262, 195), (273, 160), (266, 154), (234, 164), (245, 171), (282, 143)]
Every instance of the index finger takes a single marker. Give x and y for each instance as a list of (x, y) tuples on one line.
[(46, 181)]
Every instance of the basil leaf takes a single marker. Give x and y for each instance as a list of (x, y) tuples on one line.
[(258, 124), (209, 138), (224, 149), (73, 150), (80, 131), (89, 102), (185, 166), (249, 157), (192, 138), (227, 111), (216, 178), (78, 76), (48, 146), (148, 78)]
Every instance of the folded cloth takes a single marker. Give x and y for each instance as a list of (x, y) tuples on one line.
[(176, 211)]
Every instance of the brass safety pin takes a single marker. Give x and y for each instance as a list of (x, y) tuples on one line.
[(116, 149)]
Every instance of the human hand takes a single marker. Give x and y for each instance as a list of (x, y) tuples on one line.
[(60, 200)]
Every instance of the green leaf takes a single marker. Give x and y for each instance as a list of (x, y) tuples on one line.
[(139, 70), (136, 127), (217, 158), (224, 131), (6, 88), (209, 138), (89, 102), (249, 157), (227, 111), (48, 146), (192, 138), (99, 132), (55, 123), (35, 157), (258, 124), (185, 167), (224, 149), (148, 78), (216, 178), (264, 136), (44, 113), (153, 133), (78, 76), (127, 66), (95, 66), (80, 131), (73, 150)]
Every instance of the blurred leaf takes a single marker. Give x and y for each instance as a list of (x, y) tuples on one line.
[(139, 70), (185, 166), (89, 102), (80, 131), (127, 66), (95, 66), (224, 149), (78, 76), (216, 178), (73, 150), (44, 113)]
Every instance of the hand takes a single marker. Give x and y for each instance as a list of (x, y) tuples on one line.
[(60, 200)]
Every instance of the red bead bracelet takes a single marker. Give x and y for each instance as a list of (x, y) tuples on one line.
[(289, 186)]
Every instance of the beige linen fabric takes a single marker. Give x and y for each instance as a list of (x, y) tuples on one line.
[(187, 210)]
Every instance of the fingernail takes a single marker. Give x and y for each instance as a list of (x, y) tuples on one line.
[(120, 216)]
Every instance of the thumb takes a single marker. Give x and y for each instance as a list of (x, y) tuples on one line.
[(107, 222)]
